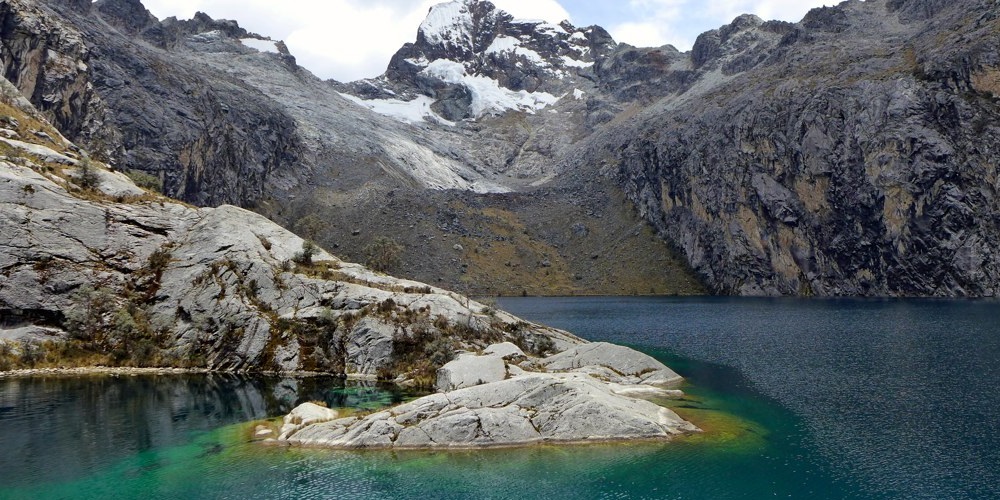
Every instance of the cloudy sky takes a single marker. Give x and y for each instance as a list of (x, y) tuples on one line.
[(352, 39)]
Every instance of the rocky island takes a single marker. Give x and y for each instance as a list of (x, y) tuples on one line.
[(504, 398)]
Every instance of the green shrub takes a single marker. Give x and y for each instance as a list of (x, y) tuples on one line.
[(88, 178), (6, 356), (310, 226), (305, 257), (383, 254), (440, 351), (85, 320), (31, 354), (145, 181), (158, 261)]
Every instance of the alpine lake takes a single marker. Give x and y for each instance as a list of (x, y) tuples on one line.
[(799, 399)]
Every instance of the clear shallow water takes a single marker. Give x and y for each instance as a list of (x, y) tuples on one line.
[(802, 399)]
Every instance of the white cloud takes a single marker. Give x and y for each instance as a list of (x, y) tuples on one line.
[(342, 39), (352, 39), (548, 10), (655, 23), (679, 22)]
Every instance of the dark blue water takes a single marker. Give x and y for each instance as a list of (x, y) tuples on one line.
[(801, 399), (900, 397)]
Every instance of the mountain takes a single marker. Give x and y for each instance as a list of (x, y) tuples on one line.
[(195, 104), (848, 154)]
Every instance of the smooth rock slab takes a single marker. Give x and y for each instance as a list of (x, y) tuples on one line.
[(613, 363), (369, 347)]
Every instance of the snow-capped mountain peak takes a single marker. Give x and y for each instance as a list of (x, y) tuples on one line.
[(448, 23), (473, 60)]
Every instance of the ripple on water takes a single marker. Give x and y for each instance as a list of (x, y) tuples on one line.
[(901, 397), (804, 399)]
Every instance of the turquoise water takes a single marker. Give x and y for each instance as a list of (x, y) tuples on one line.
[(801, 399)]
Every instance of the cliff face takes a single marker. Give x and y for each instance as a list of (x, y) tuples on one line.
[(48, 63), (857, 158)]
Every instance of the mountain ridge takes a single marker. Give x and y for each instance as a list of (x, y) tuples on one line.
[(669, 131)]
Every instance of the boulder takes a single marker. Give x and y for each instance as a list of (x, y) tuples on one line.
[(30, 333), (304, 415), (505, 350), (369, 347), (470, 370)]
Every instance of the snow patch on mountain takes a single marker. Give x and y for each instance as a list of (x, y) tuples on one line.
[(532, 56), (503, 44), (445, 70), (261, 45), (550, 29), (420, 62), (488, 97), (416, 111), (569, 62)]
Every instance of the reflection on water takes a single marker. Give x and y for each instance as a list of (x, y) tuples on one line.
[(61, 428)]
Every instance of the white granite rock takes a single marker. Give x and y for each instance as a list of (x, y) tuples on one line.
[(529, 409), (470, 370), (369, 347), (613, 363), (304, 415), (226, 285), (505, 350)]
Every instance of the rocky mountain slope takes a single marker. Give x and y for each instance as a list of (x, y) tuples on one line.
[(848, 154), (220, 115), (98, 271), (853, 153)]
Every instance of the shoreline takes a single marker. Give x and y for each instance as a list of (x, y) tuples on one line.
[(552, 443)]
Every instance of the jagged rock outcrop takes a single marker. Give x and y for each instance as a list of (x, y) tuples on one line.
[(48, 62), (486, 402), (206, 136)]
